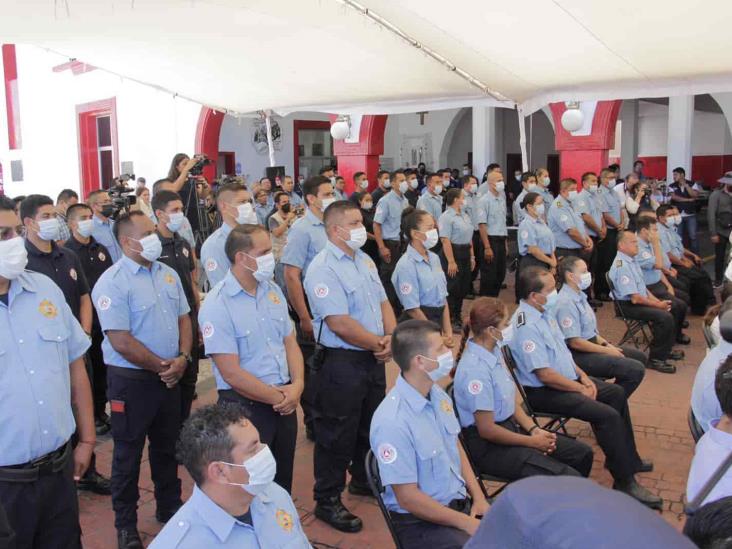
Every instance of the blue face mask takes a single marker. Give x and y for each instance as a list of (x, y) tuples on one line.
[(551, 300), (444, 364)]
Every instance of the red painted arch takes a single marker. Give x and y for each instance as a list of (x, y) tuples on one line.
[(208, 132)]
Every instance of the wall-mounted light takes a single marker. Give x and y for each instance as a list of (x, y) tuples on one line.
[(341, 128), (573, 118)]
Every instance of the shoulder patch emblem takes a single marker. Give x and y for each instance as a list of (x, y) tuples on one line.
[(47, 309), (284, 520), (104, 302), (625, 279), (446, 406), (386, 453), (619, 263), (567, 322), (520, 319), (207, 329), (185, 252), (211, 265), (529, 346), (101, 256), (405, 288), (524, 234), (563, 218), (72, 273), (273, 297), (475, 387), (321, 290)]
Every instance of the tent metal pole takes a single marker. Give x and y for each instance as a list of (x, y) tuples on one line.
[(270, 144), (522, 138)]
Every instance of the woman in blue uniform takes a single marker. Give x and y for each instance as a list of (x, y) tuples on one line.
[(536, 243), (418, 277), (502, 439), (457, 257)]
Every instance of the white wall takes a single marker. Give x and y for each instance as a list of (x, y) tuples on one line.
[(462, 141), (236, 136), (539, 137), (152, 126)]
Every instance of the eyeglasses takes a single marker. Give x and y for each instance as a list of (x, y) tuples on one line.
[(6, 233)]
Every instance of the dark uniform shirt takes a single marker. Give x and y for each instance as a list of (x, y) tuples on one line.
[(94, 258), (63, 267), (177, 255)]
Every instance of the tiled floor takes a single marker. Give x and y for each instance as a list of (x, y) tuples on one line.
[(658, 408)]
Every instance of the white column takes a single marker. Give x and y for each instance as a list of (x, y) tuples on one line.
[(680, 123), (484, 139), (628, 136)]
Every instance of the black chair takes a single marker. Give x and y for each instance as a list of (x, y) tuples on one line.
[(479, 476), (637, 331), (708, 337), (696, 430), (555, 422), (374, 480)]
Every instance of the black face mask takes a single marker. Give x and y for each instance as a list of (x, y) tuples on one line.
[(107, 210), (286, 208)]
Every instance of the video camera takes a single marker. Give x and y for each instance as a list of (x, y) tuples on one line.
[(202, 162), (122, 196)]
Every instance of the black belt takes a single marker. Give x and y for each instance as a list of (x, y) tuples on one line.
[(460, 246), (346, 352), (134, 373), (48, 464)]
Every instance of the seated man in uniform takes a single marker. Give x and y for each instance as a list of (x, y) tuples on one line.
[(556, 385), (414, 435), (235, 501)]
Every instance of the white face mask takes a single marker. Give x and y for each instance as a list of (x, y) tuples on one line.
[(518, 177), (678, 219), (547, 181), (444, 365), (533, 187), (364, 184), (403, 187), (49, 229), (13, 257), (261, 467), (500, 186), (265, 267), (539, 209), (333, 181), (585, 279), (432, 238), (438, 189), (367, 206), (175, 221), (151, 247), (325, 202), (592, 188), (611, 183), (387, 184), (245, 214), (572, 195), (471, 188), (414, 183), (85, 227), (357, 238)]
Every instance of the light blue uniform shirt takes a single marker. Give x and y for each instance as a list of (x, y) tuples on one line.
[(561, 218), (611, 203), (305, 239), (252, 327), (339, 195), (492, 212), (574, 314), (389, 215), (482, 384), (39, 338), (200, 523), (213, 255), (102, 233), (418, 281), (711, 450), (430, 203), (646, 260), (262, 212), (547, 196), (338, 285), (470, 207), (456, 227), (535, 232), (538, 343), (518, 212), (586, 203), (673, 242), (704, 401), (295, 199), (415, 441), (144, 302), (627, 277)]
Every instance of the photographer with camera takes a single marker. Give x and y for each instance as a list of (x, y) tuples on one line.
[(103, 208), (186, 175), (635, 195)]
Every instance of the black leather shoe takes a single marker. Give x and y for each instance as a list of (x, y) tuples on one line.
[(636, 491), (332, 512), (95, 483), (661, 366), (128, 539), (683, 339), (685, 323), (357, 489), (676, 354), (164, 516), (646, 466)]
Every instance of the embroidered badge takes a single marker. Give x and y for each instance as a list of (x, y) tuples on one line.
[(321, 290), (625, 279), (446, 406), (475, 387), (563, 218), (207, 329), (274, 298), (567, 322), (101, 256), (646, 255), (529, 346), (284, 519), (405, 288), (524, 234), (72, 273), (211, 265), (103, 302), (619, 263), (169, 278), (47, 309), (386, 453)]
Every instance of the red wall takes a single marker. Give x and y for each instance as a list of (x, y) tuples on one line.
[(706, 168)]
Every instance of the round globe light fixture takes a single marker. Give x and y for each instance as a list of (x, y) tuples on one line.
[(341, 128), (573, 118)]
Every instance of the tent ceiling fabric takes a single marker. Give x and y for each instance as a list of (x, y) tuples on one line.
[(286, 55)]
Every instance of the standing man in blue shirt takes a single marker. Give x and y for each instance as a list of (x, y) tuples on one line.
[(493, 235), (305, 239), (249, 337), (103, 209), (387, 224), (555, 384), (235, 503), (234, 204), (432, 494), (567, 225), (431, 201), (44, 397), (354, 322), (613, 213), (147, 345), (590, 208)]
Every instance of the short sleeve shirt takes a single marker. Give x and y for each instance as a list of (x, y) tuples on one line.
[(418, 281), (518, 212), (586, 203), (389, 215), (213, 255), (305, 239), (471, 208), (611, 203), (102, 233), (704, 401), (492, 212), (574, 315), (646, 260), (431, 204), (456, 227), (535, 232), (627, 278), (561, 218), (711, 451)]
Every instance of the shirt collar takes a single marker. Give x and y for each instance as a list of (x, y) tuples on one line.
[(34, 250), (312, 219), (482, 353), (219, 521), (530, 312), (571, 293), (24, 281), (232, 286), (225, 229), (337, 252), (414, 398), (625, 257), (134, 267), (720, 437), (414, 255)]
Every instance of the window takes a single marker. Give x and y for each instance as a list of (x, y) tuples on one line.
[(98, 152), (105, 152)]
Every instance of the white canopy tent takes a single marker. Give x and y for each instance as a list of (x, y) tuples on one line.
[(389, 56)]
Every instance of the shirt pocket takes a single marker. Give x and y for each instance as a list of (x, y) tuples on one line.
[(434, 470), (173, 298), (53, 344), (246, 337), (141, 303)]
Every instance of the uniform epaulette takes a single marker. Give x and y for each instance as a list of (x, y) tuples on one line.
[(520, 319), (619, 263), (173, 534)]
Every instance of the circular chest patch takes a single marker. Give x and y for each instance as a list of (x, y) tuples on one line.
[(524, 234), (321, 290), (72, 273), (104, 302), (211, 265), (646, 255), (169, 278), (625, 279), (185, 252), (563, 218), (102, 257), (207, 329), (567, 322), (405, 288), (529, 346), (386, 453), (475, 387)]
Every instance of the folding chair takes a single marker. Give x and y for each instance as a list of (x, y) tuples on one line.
[(637, 331), (374, 480), (556, 422), (696, 430), (708, 338), (479, 476)]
